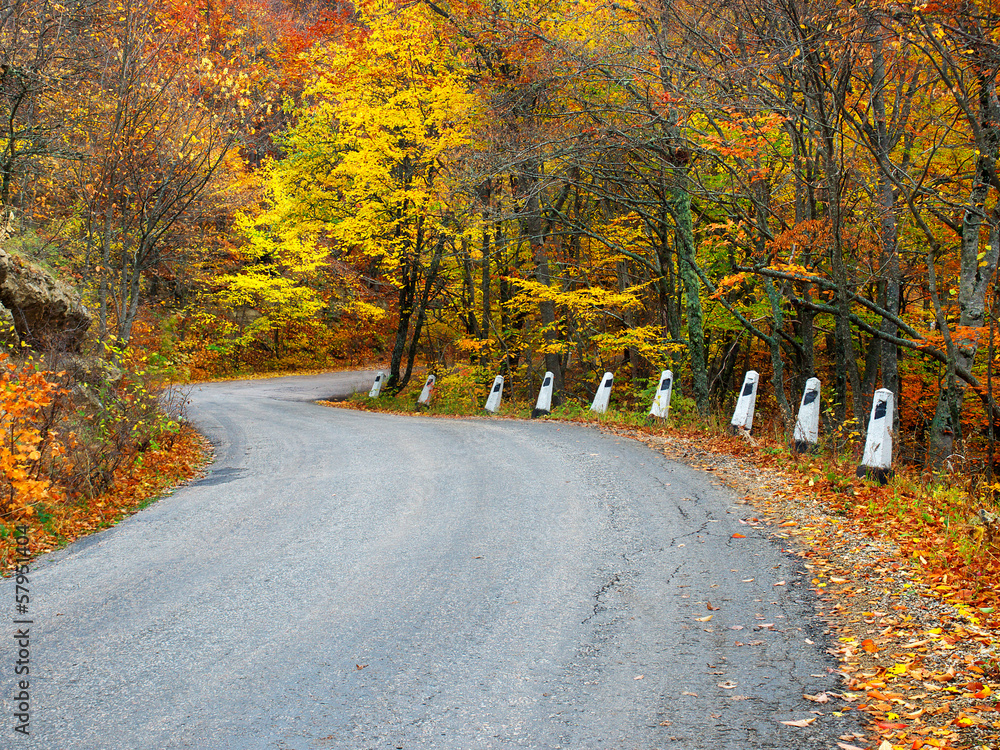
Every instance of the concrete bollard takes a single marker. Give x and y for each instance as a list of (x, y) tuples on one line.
[(876, 464), (742, 420), (377, 386), (426, 392), (603, 396), (661, 401), (496, 393), (806, 433), (544, 403)]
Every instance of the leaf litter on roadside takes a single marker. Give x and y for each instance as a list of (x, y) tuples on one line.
[(913, 627)]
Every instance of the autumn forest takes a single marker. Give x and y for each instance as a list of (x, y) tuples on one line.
[(801, 188)]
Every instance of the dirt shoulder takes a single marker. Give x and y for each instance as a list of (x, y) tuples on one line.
[(922, 665)]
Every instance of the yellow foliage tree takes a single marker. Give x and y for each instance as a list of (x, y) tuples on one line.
[(375, 160)]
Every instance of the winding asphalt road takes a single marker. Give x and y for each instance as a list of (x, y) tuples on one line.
[(351, 580)]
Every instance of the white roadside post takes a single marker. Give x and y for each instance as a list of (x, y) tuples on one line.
[(742, 421), (806, 433), (876, 464), (496, 393), (426, 392), (603, 396), (661, 401), (377, 386), (544, 403)]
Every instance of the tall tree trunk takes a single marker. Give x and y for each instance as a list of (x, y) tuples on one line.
[(485, 285), (406, 299), (777, 365), (847, 381), (687, 260), (976, 273), (888, 227), (532, 228), (429, 281)]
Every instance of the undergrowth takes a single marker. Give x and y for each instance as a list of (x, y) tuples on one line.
[(78, 449)]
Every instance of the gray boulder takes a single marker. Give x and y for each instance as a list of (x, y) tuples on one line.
[(9, 339), (48, 315)]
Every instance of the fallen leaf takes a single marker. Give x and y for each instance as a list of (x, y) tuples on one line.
[(869, 646), (818, 698), (706, 618), (739, 536), (639, 677), (360, 666), (727, 685), (845, 746), (800, 722), (685, 692), (710, 607)]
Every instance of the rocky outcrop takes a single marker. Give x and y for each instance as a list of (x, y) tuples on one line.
[(8, 332), (47, 314)]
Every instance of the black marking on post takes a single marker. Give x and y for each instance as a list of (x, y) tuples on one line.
[(882, 476), (608, 382), (748, 389), (496, 387), (545, 383), (810, 397), (666, 385), (879, 410), (804, 446)]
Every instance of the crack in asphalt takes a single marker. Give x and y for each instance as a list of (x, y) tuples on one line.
[(598, 604)]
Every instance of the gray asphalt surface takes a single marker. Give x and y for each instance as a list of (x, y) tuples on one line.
[(351, 580)]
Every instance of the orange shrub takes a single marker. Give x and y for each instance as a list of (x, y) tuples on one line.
[(28, 441)]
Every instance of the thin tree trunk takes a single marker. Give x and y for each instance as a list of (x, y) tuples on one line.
[(777, 365), (429, 281), (681, 210), (532, 227)]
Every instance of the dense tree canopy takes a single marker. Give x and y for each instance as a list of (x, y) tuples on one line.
[(803, 188)]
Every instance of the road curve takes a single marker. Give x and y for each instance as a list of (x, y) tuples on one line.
[(350, 580)]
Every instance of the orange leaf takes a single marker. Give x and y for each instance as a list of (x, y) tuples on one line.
[(869, 645), (890, 725)]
